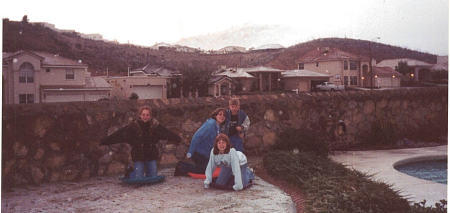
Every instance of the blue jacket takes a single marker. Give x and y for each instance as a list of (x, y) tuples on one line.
[(203, 140), (242, 116)]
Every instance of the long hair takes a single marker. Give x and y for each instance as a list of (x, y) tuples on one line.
[(145, 107), (222, 137), (216, 111)]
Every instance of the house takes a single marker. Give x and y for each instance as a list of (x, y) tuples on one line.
[(231, 49), (386, 77), (145, 87), (267, 78), (147, 82), (173, 78), (40, 77), (263, 79), (301, 80), (343, 67), (441, 64), (422, 70), (220, 85), (243, 80)]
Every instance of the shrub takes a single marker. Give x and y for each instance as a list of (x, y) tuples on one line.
[(304, 140), (421, 208), (330, 187), (133, 96), (383, 131)]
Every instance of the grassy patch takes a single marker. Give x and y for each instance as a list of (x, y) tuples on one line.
[(330, 187)]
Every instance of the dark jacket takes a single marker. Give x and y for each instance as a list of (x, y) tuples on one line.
[(143, 138), (243, 121)]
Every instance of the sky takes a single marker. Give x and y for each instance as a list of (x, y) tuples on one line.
[(414, 24)]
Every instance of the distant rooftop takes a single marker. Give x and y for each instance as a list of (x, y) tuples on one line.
[(302, 73), (48, 59), (329, 54)]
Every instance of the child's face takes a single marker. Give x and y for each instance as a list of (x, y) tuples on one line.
[(145, 115), (220, 117), (221, 145), (234, 109)]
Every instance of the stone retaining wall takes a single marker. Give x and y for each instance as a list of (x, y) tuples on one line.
[(56, 142)]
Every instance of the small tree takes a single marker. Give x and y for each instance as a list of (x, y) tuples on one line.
[(134, 96), (25, 19), (403, 68)]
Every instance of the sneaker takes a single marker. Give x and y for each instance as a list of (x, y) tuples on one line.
[(128, 172)]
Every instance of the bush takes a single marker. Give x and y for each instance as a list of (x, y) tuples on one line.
[(382, 132), (421, 208), (330, 187), (133, 96), (304, 140)]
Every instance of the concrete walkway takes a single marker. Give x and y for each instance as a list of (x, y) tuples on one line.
[(176, 194), (381, 164)]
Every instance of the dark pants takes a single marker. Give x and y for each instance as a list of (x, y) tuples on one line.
[(199, 167), (201, 162), (237, 143)]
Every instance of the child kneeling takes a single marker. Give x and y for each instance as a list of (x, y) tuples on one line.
[(231, 162)]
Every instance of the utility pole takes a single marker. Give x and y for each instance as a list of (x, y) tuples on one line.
[(371, 75)]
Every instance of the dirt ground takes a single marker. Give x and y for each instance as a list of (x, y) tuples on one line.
[(175, 194)]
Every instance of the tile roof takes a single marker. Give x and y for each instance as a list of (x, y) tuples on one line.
[(97, 82), (409, 61), (48, 59), (234, 73), (261, 69), (329, 54), (218, 78), (157, 70), (302, 73), (55, 60), (385, 71)]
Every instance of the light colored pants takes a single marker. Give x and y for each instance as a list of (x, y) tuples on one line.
[(144, 169)]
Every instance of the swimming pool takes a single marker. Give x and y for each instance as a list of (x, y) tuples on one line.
[(428, 168)]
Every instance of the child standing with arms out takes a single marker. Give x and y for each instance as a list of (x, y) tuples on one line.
[(143, 134), (237, 123)]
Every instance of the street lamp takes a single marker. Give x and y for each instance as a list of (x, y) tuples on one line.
[(371, 75)]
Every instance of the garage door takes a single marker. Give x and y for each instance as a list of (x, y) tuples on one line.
[(148, 92), (62, 97)]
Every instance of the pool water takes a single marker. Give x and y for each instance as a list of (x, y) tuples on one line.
[(434, 170)]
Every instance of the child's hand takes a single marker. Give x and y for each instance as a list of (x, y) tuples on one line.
[(239, 128)]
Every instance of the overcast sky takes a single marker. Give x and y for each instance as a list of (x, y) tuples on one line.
[(416, 24)]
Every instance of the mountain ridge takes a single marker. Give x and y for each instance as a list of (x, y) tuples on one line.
[(117, 58)]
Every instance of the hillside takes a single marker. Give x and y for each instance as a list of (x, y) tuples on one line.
[(100, 55)]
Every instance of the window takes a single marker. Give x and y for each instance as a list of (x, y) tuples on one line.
[(345, 80), (345, 65), (317, 64), (353, 65), (301, 66), (26, 98), (26, 73), (338, 77), (30, 98), (353, 80), (70, 74)]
